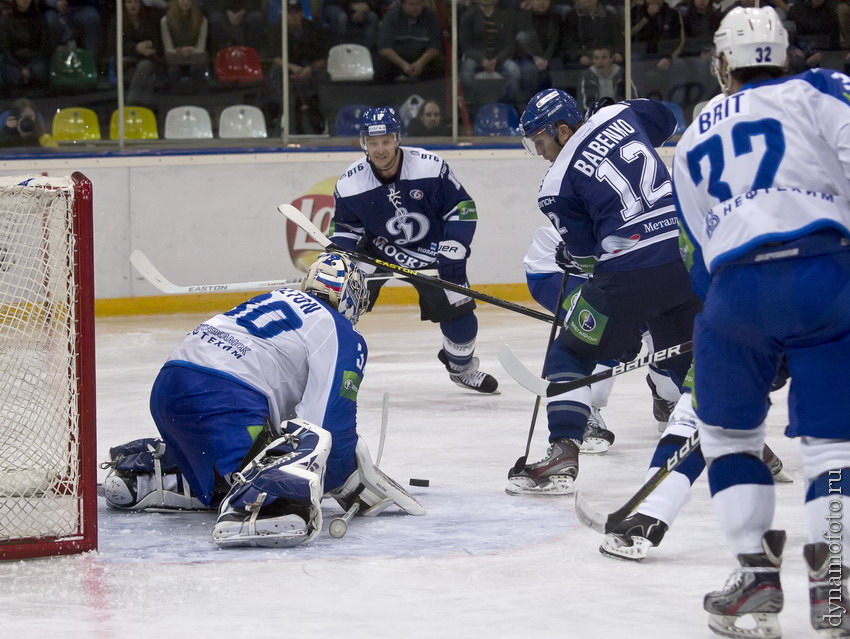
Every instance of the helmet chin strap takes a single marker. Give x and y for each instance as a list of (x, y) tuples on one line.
[(720, 68)]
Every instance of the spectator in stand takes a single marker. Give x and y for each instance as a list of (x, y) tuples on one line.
[(409, 43), (658, 36), (692, 72), (309, 43), (816, 24), (429, 121), (590, 25), (538, 40), (842, 10), (603, 79), (141, 51), (25, 47), (353, 21), (486, 36), (67, 19), (25, 127), (184, 39), (235, 23)]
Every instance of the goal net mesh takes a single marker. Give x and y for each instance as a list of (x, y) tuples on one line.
[(40, 493)]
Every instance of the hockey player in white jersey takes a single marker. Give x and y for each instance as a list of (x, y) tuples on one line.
[(404, 205), (257, 411), (762, 181)]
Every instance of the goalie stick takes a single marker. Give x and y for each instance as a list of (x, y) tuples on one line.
[(152, 274), (543, 388), (297, 217)]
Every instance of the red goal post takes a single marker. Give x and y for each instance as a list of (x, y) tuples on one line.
[(48, 482)]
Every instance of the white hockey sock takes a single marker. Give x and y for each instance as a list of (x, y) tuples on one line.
[(745, 512), (601, 391), (667, 500), (827, 520)]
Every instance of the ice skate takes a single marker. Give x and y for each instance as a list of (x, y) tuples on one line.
[(776, 467), (469, 377), (753, 593), (829, 614), (555, 474), (661, 408), (251, 527), (632, 538), (597, 438)]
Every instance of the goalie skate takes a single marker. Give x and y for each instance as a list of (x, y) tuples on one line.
[(555, 474), (597, 438), (752, 595), (469, 377), (632, 538), (269, 532)]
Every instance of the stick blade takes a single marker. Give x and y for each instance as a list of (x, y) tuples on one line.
[(147, 270), (588, 515), (520, 373), (297, 217)]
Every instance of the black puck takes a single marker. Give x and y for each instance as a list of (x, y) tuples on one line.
[(420, 482)]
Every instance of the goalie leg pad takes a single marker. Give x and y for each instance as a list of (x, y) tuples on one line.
[(373, 489), (275, 500), (143, 476)]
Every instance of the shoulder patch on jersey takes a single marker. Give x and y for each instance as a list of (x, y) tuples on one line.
[(350, 385), (466, 211)]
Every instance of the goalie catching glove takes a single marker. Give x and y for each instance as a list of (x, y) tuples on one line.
[(375, 492)]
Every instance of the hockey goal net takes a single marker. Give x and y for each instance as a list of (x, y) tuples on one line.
[(48, 495)]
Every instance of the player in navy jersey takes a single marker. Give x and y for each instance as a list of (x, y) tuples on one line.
[(608, 195), (404, 205), (762, 183), (257, 411)]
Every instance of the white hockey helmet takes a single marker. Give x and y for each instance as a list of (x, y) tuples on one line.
[(749, 38), (337, 280)]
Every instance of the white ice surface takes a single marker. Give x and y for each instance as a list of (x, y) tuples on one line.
[(479, 564)]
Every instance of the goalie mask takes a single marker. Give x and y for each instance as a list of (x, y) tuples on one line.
[(749, 38), (337, 280)]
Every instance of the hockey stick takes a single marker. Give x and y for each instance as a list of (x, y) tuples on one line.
[(592, 518), (147, 270), (296, 216), (339, 526), (543, 388), (520, 462), (385, 413)]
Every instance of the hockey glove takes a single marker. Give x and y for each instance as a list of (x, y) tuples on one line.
[(451, 261), (601, 103), (565, 261)]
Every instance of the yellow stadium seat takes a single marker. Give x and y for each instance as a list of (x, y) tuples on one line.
[(139, 124), (74, 124)]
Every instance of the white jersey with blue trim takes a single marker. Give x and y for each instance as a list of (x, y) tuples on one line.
[(608, 193), (305, 358), (770, 163), (405, 218)]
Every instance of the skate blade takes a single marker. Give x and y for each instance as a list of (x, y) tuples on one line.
[(594, 446), (556, 486), (612, 547), (766, 626), (267, 533)]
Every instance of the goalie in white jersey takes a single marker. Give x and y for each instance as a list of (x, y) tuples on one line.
[(762, 180), (257, 410)]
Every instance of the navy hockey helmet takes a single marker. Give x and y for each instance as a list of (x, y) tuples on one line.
[(379, 121), (337, 280), (543, 113)]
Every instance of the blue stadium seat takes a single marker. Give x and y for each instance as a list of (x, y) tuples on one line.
[(347, 123), (496, 118)]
